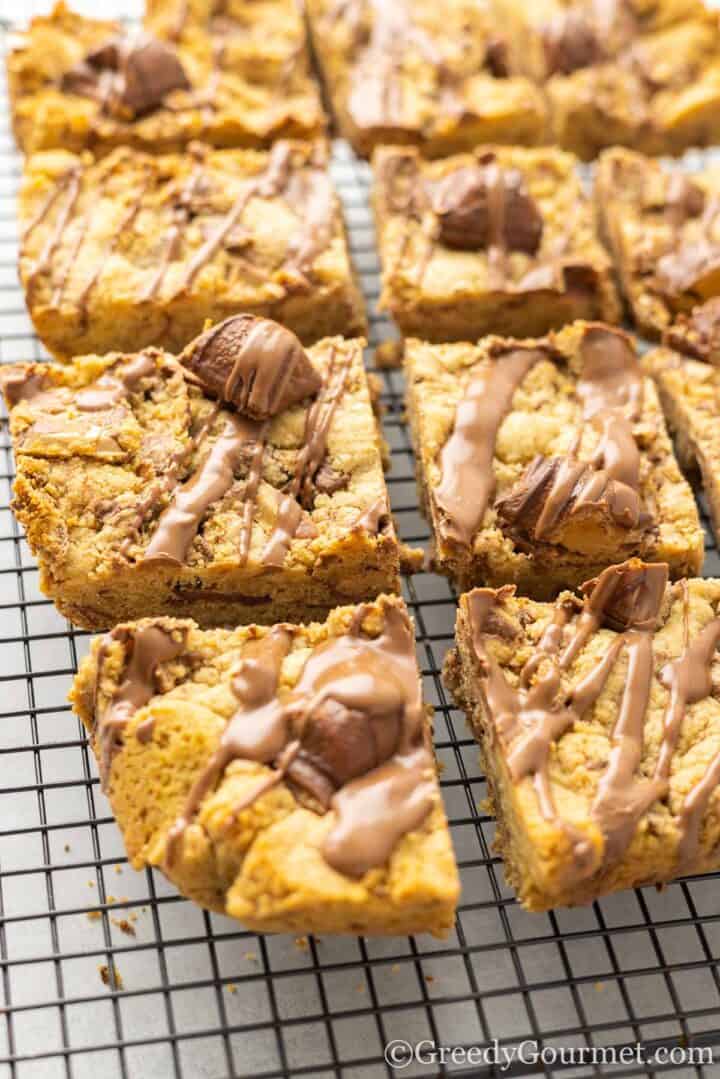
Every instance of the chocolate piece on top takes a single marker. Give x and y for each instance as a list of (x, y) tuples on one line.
[(128, 74), (254, 364), (571, 42), (480, 206)]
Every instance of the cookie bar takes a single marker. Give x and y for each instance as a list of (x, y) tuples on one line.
[(600, 730), (436, 76), (500, 240), (663, 228), (78, 83), (689, 392), (543, 461), (264, 782), (136, 249), (243, 483), (632, 74)]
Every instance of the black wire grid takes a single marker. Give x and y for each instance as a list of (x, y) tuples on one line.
[(191, 994)]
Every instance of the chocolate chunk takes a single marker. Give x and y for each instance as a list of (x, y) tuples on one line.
[(697, 334), (479, 206), (571, 43), (629, 595), (497, 57), (128, 74), (343, 743), (252, 363), (328, 480)]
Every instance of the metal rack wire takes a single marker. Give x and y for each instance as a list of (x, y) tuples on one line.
[(103, 970)]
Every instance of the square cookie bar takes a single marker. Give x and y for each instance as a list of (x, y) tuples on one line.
[(437, 76), (632, 74), (264, 782), (690, 395), (543, 461), (599, 723), (663, 229), (136, 249), (243, 483), (78, 83), (500, 240)]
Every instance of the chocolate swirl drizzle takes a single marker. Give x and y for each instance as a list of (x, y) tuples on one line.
[(534, 714), (146, 649), (350, 733)]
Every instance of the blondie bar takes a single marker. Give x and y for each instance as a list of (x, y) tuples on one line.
[(500, 240), (242, 483), (689, 392), (663, 228), (600, 730), (136, 249), (413, 71), (542, 461), (633, 74), (78, 83), (265, 782)]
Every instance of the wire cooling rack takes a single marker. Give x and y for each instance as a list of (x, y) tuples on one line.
[(104, 971)]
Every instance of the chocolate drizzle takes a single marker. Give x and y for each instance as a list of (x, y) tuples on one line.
[(147, 647), (112, 388), (580, 503), (179, 522), (350, 733), (466, 460), (317, 428), (72, 182), (180, 218), (530, 717)]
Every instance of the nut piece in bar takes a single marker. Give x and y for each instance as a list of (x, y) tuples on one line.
[(663, 228), (296, 799), (500, 240), (255, 364), (542, 461), (79, 83), (600, 730), (137, 249), (689, 391), (142, 494), (444, 78)]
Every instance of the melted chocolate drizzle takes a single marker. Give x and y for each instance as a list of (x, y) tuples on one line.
[(148, 647), (350, 732)]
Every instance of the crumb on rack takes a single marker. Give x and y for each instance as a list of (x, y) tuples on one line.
[(110, 977)]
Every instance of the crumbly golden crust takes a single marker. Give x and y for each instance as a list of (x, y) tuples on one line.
[(663, 229), (575, 853), (262, 863), (422, 74), (229, 103), (137, 249), (91, 486), (688, 391), (543, 421), (440, 286)]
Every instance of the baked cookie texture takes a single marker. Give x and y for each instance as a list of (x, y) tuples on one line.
[(439, 77), (542, 461), (631, 74), (142, 494), (499, 240), (135, 249), (78, 83), (688, 390), (264, 782), (599, 723), (663, 229)]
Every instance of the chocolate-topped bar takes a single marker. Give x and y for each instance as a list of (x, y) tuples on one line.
[(136, 249), (599, 724), (266, 783), (544, 460), (442, 77), (500, 240), (663, 228), (79, 83), (632, 74), (241, 481)]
